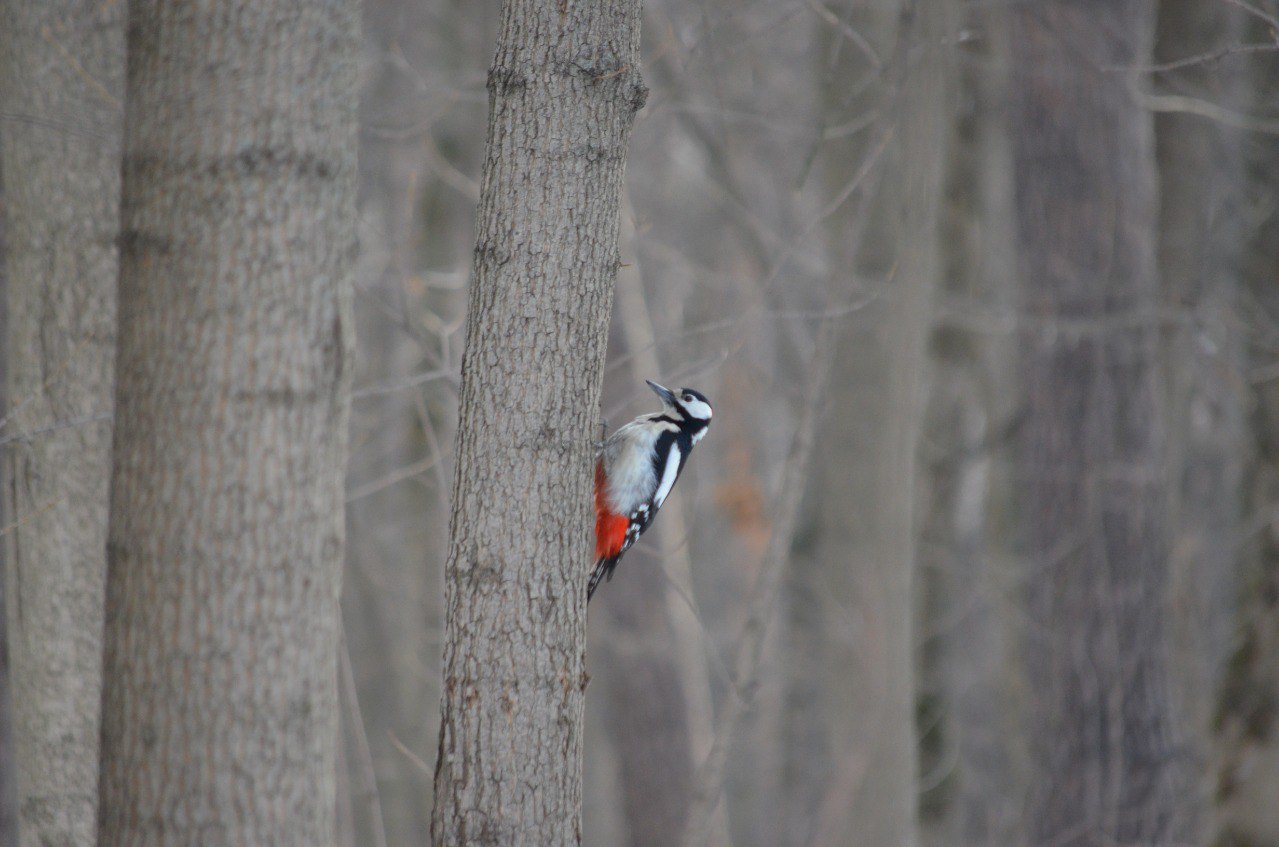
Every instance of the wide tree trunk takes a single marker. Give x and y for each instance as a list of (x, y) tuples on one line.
[(62, 74), (219, 708), (1092, 479), (864, 505), (564, 89)]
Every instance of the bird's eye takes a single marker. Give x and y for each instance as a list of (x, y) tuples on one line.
[(688, 398)]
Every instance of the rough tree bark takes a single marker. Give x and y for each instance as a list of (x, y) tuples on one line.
[(1092, 480), (63, 82), (564, 89), (220, 707)]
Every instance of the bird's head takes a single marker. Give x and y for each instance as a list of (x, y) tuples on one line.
[(687, 403)]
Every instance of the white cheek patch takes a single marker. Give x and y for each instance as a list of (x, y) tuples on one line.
[(698, 410), (668, 477)]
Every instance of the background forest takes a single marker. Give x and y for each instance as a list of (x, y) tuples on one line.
[(982, 547)]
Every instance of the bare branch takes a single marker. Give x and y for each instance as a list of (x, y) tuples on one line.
[(847, 31), (363, 755), (1260, 13), (1207, 109)]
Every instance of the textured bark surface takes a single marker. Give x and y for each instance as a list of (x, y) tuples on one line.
[(1107, 766), (62, 74), (564, 89), (219, 708)]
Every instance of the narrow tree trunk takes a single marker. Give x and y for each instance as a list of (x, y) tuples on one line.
[(1093, 489), (1202, 238), (63, 82), (972, 790), (220, 707), (1246, 718), (564, 89)]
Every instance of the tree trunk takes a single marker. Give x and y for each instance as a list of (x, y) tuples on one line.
[(971, 792), (1246, 718), (864, 505), (220, 707), (1202, 229), (1093, 483), (63, 81), (564, 89)]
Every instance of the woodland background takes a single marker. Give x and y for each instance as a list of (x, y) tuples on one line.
[(982, 547)]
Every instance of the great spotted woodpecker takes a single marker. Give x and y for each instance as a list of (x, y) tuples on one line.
[(636, 469)]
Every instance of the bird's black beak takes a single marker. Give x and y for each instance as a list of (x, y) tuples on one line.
[(665, 393)]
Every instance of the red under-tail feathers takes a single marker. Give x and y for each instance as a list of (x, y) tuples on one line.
[(610, 527), (610, 534)]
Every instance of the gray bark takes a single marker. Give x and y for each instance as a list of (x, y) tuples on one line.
[(226, 533), (63, 81), (1092, 479), (564, 89)]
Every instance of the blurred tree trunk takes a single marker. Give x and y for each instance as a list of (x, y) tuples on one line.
[(1201, 239), (970, 739), (564, 89), (1246, 719), (220, 707), (63, 82), (865, 503), (1107, 763), (8, 763)]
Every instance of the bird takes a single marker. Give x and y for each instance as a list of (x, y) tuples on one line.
[(636, 468)]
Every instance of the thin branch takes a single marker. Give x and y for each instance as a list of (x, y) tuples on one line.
[(363, 755), (412, 381), (1205, 58), (395, 476), (416, 760), (89, 79), (848, 32), (5, 441), (30, 516), (1260, 13), (1179, 103)]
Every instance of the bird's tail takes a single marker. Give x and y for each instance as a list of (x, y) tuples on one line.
[(603, 571)]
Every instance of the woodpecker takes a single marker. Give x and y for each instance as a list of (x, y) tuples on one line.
[(636, 469)]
